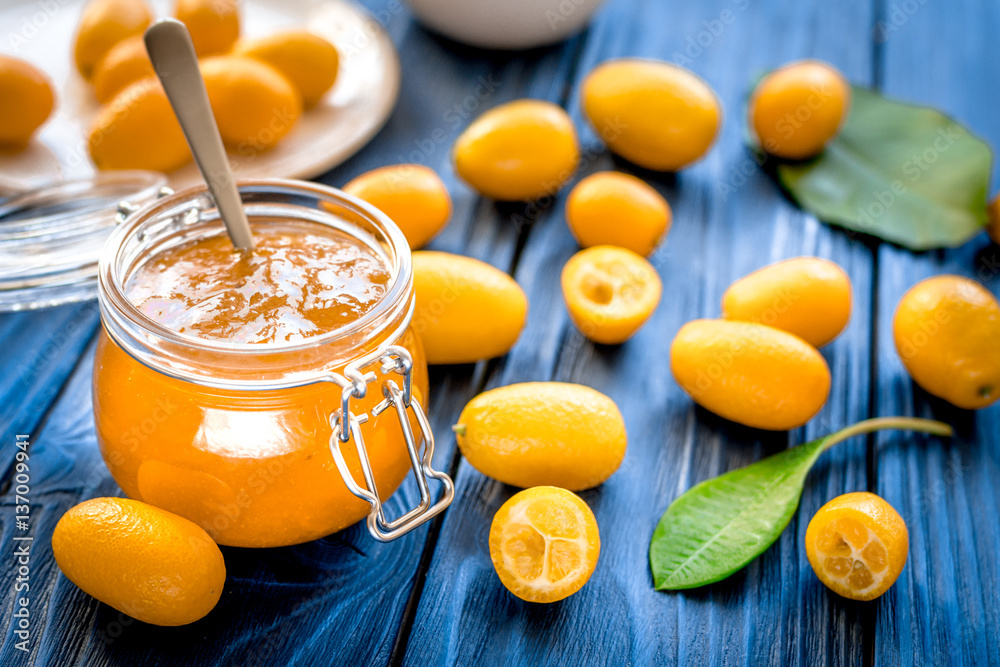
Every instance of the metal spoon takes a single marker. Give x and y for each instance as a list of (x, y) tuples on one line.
[(172, 53)]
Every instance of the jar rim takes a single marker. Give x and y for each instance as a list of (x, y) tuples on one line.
[(115, 270)]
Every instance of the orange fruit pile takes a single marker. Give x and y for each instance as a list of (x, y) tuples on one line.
[(257, 88)]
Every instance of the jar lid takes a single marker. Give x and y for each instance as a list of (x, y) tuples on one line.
[(51, 237)]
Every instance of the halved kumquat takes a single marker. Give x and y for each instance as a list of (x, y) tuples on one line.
[(857, 545), (544, 544), (610, 292)]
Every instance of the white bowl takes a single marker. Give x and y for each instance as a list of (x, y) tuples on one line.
[(505, 24)]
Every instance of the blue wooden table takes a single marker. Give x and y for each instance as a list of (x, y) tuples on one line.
[(432, 598)]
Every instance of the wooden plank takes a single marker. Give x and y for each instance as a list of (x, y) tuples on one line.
[(339, 599), (40, 349), (945, 608), (775, 611)]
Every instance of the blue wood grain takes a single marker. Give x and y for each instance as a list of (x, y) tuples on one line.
[(432, 598), (774, 612), (945, 608), (39, 350)]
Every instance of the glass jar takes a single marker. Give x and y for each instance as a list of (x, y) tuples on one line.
[(264, 444)]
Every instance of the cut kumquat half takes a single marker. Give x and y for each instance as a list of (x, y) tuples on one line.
[(610, 292), (544, 544), (857, 545)]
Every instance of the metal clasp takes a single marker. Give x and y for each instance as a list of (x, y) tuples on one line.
[(393, 360)]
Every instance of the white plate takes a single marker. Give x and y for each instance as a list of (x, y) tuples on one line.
[(41, 31)]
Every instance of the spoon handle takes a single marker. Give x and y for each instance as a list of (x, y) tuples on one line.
[(172, 54)]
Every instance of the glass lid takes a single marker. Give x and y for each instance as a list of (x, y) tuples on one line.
[(51, 237)]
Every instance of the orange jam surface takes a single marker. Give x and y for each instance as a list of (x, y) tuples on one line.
[(293, 285), (251, 467)]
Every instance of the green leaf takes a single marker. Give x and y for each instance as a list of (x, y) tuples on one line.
[(903, 173), (720, 525)]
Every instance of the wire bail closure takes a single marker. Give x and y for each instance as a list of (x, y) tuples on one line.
[(393, 359)]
